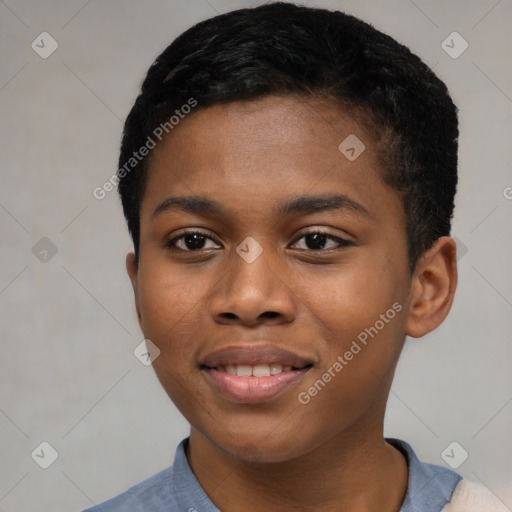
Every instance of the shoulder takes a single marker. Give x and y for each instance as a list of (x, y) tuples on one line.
[(430, 486), (174, 488), (471, 496), (154, 493)]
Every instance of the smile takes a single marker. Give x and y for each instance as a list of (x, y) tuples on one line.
[(253, 389), (259, 370), (252, 373)]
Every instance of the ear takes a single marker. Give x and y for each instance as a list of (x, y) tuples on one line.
[(432, 288), (133, 271)]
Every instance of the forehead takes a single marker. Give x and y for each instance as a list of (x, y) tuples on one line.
[(257, 154)]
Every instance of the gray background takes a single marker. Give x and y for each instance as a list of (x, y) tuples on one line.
[(68, 328)]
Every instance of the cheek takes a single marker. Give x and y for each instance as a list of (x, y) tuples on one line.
[(171, 309), (361, 317), (170, 306), (349, 299)]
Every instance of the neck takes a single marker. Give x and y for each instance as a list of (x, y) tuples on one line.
[(366, 474)]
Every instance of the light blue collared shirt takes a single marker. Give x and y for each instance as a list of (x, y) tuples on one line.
[(176, 489)]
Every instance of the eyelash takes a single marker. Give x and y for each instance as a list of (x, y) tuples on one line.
[(169, 244)]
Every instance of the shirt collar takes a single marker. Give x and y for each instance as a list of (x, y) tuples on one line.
[(187, 489), (429, 487)]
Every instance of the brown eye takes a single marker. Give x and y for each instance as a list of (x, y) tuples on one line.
[(316, 241), (190, 241)]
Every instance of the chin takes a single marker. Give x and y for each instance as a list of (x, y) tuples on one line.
[(262, 449)]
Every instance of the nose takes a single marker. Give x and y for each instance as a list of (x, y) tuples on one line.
[(254, 293)]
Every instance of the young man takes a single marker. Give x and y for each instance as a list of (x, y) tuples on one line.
[(288, 176)]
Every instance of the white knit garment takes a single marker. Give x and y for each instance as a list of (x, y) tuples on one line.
[(470, 496)]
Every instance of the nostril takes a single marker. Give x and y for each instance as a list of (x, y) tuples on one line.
[(270, 314)]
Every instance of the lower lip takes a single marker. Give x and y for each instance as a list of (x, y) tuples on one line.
[(253, 389)]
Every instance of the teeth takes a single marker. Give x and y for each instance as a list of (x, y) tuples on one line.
[(275, 369), (258, 370), (230, 369), (243, 370), (261, 370)]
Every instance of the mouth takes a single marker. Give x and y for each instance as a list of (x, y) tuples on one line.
[(258, 370), (252, 374)]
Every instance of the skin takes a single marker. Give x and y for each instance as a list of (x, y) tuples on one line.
[(251, 157)]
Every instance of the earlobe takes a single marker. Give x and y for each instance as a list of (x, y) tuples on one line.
[(133, 269), (433, 288)]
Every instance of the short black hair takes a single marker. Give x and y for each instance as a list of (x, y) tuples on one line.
[(286, 49)]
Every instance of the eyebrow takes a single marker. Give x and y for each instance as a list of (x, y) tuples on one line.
[(302, 205), (307, 205)]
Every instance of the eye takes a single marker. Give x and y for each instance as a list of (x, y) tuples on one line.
[(316, 240), (191, 241)]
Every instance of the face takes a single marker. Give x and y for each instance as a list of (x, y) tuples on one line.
[(276, 288)]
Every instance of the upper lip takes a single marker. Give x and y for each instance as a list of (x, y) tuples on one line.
[(253, 354)]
